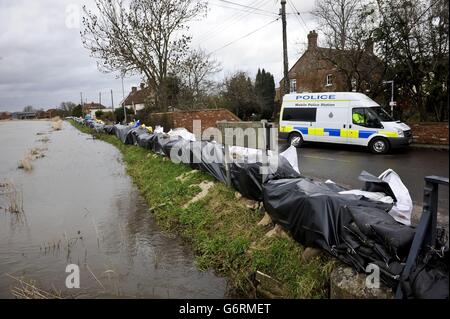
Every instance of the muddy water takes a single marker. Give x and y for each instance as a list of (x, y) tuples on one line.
[(81, 208)]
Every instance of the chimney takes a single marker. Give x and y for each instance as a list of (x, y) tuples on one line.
[(369, 46), (312, 40), (142, 85), (133, 89)]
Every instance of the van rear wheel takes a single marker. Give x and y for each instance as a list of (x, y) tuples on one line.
[(295, 139), (379, 145)]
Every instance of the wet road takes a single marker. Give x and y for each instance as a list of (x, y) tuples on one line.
[(81, 207), (343, 164)]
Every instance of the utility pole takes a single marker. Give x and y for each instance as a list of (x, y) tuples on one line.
[(392, 103), (123, 101), (82, 104), (112, 101), (285, 53)]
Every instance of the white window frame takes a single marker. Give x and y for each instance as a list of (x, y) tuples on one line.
[(329, 80), (293, 86)]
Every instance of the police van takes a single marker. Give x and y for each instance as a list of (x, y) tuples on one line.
[(340, 117)]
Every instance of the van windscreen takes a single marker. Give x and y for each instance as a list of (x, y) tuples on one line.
[(299, 114)]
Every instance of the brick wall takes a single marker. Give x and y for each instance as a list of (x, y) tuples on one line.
[(435, 133), (209, 118)]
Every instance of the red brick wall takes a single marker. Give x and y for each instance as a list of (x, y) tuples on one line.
[(209, 118), (435, 133)]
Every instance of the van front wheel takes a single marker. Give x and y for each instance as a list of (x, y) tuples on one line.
[(295, 139), (379, 145)]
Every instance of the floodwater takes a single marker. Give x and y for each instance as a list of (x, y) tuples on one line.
[(80, 207)]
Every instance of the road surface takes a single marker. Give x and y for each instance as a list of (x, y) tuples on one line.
[(343, 164)]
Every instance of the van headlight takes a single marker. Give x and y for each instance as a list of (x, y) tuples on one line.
[(400, 133)]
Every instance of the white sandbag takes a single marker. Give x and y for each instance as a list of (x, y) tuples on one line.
[(159, 129), (402, 209), (376, 196), (290, 154), (183, 133)]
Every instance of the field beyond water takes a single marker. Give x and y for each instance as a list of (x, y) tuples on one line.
[(221, 229)]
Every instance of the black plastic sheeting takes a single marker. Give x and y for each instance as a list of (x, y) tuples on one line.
[(429, 277), (248, 180), (350, 227), (121, 132)]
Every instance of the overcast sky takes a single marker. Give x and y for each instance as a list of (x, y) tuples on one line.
[(42, 60)]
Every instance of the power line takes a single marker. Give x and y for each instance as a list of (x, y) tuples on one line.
[(297, 14), (244, 6), (229, 22), (256, 12), (245, 36)]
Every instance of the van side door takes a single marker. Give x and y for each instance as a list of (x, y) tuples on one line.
[(331, 124)]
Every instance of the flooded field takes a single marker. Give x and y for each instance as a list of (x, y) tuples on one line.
[(80, 207)]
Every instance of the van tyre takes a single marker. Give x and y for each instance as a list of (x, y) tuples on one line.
[(295, 139), (379, 145)]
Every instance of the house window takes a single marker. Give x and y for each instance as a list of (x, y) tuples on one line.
[(329, 80), (293, 86)]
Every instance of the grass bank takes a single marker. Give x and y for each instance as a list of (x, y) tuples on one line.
[(221, 229)]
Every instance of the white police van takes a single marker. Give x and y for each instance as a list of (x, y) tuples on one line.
[(340, 117)]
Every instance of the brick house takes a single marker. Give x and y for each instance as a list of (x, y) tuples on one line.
[(5, 115), (91, 108), (137, 98), (328, 70)]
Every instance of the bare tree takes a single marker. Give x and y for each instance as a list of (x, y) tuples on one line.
[(414, 41), (338, 19), (195, 74), (146, 37), (67, 107), (348, 26)]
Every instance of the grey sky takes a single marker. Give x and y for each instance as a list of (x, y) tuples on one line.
[(43, 63)]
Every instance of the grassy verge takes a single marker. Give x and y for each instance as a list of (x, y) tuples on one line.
[(221, 229)]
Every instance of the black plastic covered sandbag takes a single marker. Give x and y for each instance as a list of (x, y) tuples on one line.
[(109, 129), (377, 224), (312, 211), (122, 131), (132, 135), (248, 180), (428, 278), (145, 140), (210, 160)]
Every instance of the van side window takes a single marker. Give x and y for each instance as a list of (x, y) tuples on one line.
[(363, 117), (299, 114)]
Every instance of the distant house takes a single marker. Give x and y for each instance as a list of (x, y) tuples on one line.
[(137, 98), (91, 108), (5, 116), (23, 115), (319, 69)]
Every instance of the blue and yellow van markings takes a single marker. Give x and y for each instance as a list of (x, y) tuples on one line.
[(318, 131)]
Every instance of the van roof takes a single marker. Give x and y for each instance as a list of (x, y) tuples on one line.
[(329, 97)]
